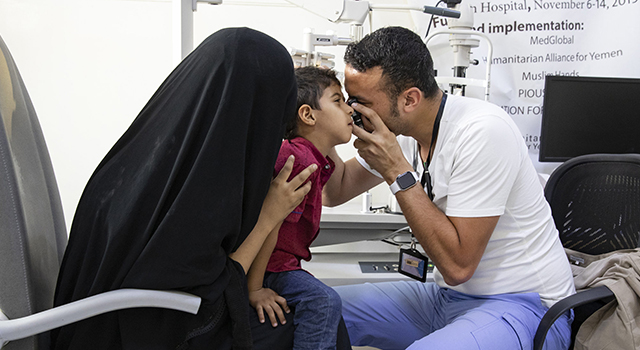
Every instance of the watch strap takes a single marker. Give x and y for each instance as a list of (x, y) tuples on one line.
[(395, 186)]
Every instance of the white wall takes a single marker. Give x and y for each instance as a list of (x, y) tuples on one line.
[(91, 65)]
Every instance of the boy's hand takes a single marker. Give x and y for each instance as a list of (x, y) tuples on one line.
[(266, 300)]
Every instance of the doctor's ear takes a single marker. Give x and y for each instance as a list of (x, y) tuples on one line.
[(411, 98), (306, 115)]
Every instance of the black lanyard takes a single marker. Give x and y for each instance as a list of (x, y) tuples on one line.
[(426, 177)]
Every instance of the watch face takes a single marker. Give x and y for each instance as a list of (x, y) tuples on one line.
[(405, 180)]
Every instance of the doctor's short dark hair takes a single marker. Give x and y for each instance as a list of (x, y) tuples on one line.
[(401, 54), (312, 81)]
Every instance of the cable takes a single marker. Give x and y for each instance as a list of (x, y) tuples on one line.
[(431, 21)]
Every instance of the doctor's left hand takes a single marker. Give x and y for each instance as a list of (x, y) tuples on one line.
[(266, 300)]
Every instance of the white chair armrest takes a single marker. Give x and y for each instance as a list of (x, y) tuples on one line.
[(95, 305)]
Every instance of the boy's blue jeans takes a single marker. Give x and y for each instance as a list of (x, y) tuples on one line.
[(415, 315), (317, 308)]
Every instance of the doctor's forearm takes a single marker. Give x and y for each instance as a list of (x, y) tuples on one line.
[(331, 190), (348, 180), (438, 236)]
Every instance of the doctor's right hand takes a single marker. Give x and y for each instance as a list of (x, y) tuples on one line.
[(378, 145), (266, 300)]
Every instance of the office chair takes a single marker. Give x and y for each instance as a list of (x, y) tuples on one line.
[(33, 233), (595, 203)]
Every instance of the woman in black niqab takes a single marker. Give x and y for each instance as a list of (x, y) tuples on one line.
[(177, 194)]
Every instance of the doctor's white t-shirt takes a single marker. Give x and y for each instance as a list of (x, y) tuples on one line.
[(480, 168)]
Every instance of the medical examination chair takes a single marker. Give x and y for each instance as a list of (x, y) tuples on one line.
[(33, 233)]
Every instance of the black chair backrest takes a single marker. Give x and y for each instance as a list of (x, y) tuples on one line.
[(32, 229), (595, 200)]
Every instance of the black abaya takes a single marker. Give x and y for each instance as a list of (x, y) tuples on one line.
[(178, 193)]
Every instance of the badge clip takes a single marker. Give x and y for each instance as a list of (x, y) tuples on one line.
[(413, 263)]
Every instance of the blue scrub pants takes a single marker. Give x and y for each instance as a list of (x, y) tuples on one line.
[(414, 315)]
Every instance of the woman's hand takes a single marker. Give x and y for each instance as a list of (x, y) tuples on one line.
[(282, 198), (285, 196), (266, 300)]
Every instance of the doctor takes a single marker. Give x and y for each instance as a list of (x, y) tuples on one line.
[(473, 201)]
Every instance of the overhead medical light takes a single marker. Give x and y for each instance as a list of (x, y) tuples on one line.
[(462, 38), (353, 12), (339, 11)]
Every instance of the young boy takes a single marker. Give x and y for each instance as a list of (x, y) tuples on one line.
[(323, 121)]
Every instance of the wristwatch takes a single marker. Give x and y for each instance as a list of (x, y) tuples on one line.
[(404, 181)]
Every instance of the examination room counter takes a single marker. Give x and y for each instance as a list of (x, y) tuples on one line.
[(349, 248)]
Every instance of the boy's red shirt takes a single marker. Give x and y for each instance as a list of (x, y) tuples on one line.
[(301, 227)]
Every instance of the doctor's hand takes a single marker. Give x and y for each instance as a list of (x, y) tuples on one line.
[(379, 147), (283, 195), (266, 300)]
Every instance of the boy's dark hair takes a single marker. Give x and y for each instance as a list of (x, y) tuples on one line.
[(403, 57), (312, 81)]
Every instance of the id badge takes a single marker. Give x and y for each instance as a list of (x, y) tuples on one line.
[(413, 264)]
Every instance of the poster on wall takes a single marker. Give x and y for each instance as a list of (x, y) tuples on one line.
[(535, 38)]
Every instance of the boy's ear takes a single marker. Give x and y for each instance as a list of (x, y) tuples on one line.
[(412, 98), (306, 116)]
